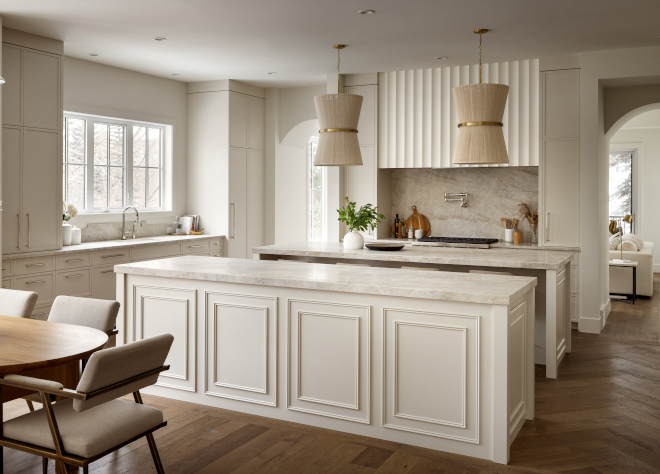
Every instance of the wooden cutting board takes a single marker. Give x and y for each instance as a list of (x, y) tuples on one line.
[(417, 221)]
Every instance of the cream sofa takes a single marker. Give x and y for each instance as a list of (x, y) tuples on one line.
[(621, 278)]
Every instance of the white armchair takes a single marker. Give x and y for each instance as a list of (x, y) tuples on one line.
[(621, 278)]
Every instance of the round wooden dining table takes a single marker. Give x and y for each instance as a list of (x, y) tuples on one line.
[(45, 350)]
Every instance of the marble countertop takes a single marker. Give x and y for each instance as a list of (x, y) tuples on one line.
[(445, 286), (499, 245), (494, 257), (109, 244)]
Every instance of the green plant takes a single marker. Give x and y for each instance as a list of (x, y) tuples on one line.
[(365, 218)]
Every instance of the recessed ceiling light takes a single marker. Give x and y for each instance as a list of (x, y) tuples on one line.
[(94, 54), (160, 38), (442, 57), (367, 12), (271, 73), (176, 74)]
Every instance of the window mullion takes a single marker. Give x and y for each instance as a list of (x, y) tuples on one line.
[(128, 179), (89, 165)]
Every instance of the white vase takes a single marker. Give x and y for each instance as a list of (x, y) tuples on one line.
[(353, 240), (66, 233), (76, 236)]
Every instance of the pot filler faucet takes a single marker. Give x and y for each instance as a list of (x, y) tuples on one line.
[(457, 197), (123, 223)]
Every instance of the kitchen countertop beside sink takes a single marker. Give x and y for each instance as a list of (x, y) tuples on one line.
[(499, 245), (108, 244)]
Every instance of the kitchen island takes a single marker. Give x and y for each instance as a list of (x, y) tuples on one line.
[(552, 268), (439, 360)]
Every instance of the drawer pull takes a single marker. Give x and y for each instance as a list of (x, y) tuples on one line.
[(33, 282), (75, 260), (216, 243), (114, 255), (108, 271), (4, 268), (38, 314), (78, 275), (35, 265), (4, 286), (195, 246)]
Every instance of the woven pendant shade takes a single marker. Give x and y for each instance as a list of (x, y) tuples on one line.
[(477, 143), (338, 120)]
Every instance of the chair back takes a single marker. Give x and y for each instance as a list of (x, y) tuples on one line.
[(17, 303), (118, 364), (97, 314)]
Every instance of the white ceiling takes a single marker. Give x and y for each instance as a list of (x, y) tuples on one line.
[(246, 39)]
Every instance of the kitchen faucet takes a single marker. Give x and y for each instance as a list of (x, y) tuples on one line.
[(123, 223), (457, 197)]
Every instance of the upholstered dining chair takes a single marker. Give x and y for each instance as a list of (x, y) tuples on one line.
[(17, 303), (92, 422), (89, 312)]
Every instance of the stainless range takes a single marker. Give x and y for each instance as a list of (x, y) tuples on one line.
[(456, 242)]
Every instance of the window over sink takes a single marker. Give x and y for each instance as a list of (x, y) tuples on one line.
[(110, 163)]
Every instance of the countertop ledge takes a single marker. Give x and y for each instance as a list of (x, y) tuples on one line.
[(445, 286), (110, 244), (493, 257), (498, 245)]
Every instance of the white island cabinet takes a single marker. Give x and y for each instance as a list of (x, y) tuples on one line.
[(434, 359)]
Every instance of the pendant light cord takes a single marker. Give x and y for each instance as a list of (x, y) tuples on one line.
[(338, 59)]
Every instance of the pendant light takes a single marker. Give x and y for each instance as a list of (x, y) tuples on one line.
[(480, 108), (338, 120)]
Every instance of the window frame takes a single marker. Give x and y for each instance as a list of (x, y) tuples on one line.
[(166, 147), (635, 195)]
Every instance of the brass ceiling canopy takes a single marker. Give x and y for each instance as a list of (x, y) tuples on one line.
[(338, 116), (480, 109)]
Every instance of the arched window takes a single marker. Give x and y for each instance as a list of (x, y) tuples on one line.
[(316, 183)]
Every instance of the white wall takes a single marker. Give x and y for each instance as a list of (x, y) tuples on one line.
[(594, 170), (99, 89), (643, 133)]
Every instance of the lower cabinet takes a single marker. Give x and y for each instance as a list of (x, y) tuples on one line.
[(104, 282), (76, 282)]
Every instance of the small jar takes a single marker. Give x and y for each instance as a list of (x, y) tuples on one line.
[(76, 236)]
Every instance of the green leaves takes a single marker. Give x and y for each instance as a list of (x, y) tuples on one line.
[(365, 218)]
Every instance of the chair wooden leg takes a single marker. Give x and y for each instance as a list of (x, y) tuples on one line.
[(154, 453), (44, 462), (30, 405), (85, 469)]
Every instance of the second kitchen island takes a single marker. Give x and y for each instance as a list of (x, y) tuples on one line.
[(552, 268)]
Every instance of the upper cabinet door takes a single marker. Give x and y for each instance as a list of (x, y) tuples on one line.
[(12, 141), (256, 129), (41, 90), (12, 90), (238, 120), (561, 102), (237, 241), (42, 201)]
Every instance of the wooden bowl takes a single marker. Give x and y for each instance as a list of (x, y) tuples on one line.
[(196, 232)]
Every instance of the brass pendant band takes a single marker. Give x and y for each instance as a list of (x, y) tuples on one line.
[(338, 130), (470, 124)]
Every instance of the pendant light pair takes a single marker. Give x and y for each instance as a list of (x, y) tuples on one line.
[(338, 120), (480, 109)]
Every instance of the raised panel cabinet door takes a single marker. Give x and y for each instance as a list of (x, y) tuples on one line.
[(561, 199), (41, 90), (256, 180), (238, 120), (256, 129), (12, 89), (12, 143), (42, 203), (561, 104), (237, 245)]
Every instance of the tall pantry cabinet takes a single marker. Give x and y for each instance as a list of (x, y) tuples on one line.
[(226, 153), (32, 143)]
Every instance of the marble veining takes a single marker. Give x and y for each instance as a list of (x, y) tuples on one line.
[(492, 193), (508, 258), (445, 286)]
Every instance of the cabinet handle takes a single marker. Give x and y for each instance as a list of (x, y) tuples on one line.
[(75, 260), (4, 286), (28, 217), (113, 255), (4, 268), (78, 275), (233, 220), (216, 243), (38, 314), (195, 246), (547, 225), (108, 271), (34, 282), (35, 264), (20, 233)]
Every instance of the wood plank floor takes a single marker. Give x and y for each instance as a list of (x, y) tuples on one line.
[(602, 415)]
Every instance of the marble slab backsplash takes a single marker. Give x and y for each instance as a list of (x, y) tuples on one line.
[(492, 193), (112, 231)]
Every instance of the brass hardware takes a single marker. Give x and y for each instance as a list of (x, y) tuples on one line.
[(480, 32), (108, 271), (471, 124), (28, 218), (34, 282), (75, 260), (338, 130), (78, 275), (35, 265), (195, 246), (113, 255), (339, 46)]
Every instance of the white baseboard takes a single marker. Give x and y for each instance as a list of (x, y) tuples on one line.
[(589, 325)]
